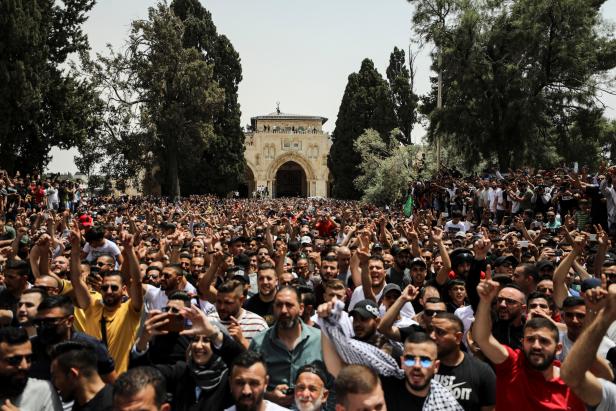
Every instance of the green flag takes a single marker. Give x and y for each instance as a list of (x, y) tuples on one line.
[(408, 206)]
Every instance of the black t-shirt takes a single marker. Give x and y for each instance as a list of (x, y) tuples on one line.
[(508, 334), (102, 401), (472, 383), (260, 307), (398, 398)]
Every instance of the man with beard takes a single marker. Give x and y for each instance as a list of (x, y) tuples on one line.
[(510, 309), (310, 391), (75, 376), (472, 382), (54, 322), (399, 273), (26, 309), (156, 298), (248, 381), (373, 283), (365, 316), (262, 303), (242, 324), (526, 378), (287, 346), (60, 266), (18, 391), (328, 271), (114, 320)]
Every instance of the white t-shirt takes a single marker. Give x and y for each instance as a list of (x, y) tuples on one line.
[(156, 298), (604, 347), (269, 406), (452, 227), (108, 248), (38, 395), (358, 294), (608, 396)]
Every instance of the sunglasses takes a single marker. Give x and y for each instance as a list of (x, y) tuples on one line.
[(507, 301), (432, 313), (113, 287), (43, 322), (579, 316), (424, 361), (17, 359)]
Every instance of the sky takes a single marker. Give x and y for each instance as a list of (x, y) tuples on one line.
[(298, 53)]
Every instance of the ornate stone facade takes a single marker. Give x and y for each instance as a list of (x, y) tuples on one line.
[(287, 153)]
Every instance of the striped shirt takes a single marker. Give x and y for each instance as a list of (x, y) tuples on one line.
[(250, 323)]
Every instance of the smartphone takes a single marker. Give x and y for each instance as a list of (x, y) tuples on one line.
[(592, 237), (175, 324), (523, 243)]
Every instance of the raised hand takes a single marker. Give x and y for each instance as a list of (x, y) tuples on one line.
[(409, 293), (488, 290), (437, 235)]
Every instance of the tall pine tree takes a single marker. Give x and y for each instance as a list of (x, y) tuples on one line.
[(221, 168), (403, 97), (366, 104)]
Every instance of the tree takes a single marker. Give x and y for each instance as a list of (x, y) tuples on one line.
[(386, 168), (366, 103), (162, 99), (223, 162), (403, 97), (520, 78), (42, 104)]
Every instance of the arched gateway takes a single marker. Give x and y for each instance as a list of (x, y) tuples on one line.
[(287, 156)]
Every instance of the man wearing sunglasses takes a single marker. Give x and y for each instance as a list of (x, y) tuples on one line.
[(114, 320), (54, 323), (17, 390)]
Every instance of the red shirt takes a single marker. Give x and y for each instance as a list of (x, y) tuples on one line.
[(325, 227), (521, 388)]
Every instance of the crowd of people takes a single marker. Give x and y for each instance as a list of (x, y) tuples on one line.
[(495, 292)]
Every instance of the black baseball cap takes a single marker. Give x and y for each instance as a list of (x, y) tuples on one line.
[(366, 308)]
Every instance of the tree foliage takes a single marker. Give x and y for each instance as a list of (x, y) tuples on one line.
[(403, 98), (385, 167), (42, 103), (171, 104), (366, 103), (520, 78)]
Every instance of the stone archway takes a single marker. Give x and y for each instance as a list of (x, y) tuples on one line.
[(308, 177), (291, 181)]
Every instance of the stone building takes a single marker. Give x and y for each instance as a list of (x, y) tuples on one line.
[(286, 155)]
